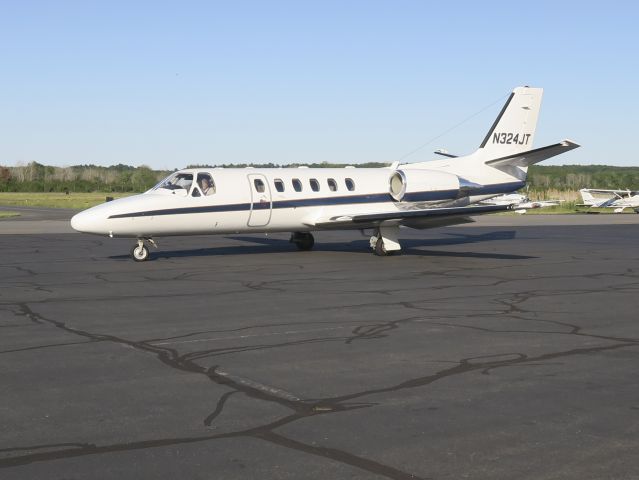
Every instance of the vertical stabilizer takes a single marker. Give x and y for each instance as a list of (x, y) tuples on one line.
[(514, 129), (587, 197)]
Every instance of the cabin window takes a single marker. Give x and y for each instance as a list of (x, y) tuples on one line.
[(332, 184), (350, 184), (297, 185), (259, 185), (279, 184), (204, 185), (314, 184)]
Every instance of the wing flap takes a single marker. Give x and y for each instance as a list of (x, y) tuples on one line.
[(400, 215)]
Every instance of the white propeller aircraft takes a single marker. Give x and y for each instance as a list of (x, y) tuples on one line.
[(519, 202), (617, 199), (301, 200)]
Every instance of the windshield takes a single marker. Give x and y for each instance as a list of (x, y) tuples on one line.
[(176, 181)]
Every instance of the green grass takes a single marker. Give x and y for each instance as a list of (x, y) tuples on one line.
[(8, 214), (75, 201)]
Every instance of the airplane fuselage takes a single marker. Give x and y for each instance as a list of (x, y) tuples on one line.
[(249, 200)]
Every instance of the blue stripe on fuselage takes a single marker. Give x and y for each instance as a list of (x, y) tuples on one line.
[(326, 201)]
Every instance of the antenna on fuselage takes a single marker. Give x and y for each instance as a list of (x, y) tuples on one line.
[(500, 99)]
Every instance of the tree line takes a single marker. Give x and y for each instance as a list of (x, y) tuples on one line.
[(574, 177), (35, 177)]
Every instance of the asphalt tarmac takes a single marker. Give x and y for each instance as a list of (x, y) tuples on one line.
[(500, 350)]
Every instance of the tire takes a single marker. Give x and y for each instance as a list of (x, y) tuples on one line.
[(305, 242), (140, 253)]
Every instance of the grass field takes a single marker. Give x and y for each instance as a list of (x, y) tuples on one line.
[(8, 214), (76, 201)]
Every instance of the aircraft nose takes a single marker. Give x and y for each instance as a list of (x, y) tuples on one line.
[(87, 222), (80, 222)]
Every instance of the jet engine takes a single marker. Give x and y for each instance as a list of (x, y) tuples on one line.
[(421, 185)]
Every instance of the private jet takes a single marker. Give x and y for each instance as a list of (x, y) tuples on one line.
[(421, 195)]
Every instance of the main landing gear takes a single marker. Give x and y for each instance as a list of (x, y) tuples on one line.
[(303, 240), (140, 252), (384, 241)]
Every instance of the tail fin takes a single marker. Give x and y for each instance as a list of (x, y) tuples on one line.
[(587, 197), (514, 129)]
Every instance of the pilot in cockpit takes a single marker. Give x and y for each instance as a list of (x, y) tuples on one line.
[(206, 185)]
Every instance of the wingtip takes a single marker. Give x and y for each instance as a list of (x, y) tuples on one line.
[(569, 143)]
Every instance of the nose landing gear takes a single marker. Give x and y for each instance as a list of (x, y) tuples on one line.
[(140, 252)]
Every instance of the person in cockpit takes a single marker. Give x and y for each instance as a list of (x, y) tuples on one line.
[(205, 186)]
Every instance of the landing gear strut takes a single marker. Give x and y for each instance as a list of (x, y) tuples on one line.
[(140, 252), (384, 241), (303, 240)]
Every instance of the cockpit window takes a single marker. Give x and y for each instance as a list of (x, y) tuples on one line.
[(205, 185), (177, 181)]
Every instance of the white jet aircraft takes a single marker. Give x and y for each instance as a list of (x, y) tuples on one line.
[(301, 200), (617, 199)]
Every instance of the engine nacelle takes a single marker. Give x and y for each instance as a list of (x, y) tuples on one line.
[(423, 185)]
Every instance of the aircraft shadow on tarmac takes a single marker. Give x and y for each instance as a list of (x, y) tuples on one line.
[(410, 246)]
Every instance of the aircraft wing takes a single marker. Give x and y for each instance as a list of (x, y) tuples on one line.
[(603, 191), (525, 159), (416, 218)]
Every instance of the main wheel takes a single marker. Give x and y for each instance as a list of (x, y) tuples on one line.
[(305, 241), (140, 253)]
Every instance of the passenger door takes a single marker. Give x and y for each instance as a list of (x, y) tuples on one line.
[(261, 201)]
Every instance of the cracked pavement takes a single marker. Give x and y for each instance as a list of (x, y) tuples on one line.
[(484, 351)]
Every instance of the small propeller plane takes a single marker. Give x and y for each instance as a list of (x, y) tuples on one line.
[(420, 195), (617, 199), (520, 202)]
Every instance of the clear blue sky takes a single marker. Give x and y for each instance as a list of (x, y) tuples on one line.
[(168, 84)]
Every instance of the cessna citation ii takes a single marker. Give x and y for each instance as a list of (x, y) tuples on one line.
[(421, 195)]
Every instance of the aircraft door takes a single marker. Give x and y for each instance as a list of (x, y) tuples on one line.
[(261, 201)]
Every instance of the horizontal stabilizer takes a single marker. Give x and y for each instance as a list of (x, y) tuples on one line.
[(444, 153), (525, 159)]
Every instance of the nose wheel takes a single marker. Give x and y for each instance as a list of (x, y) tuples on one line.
[(140, 252)]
